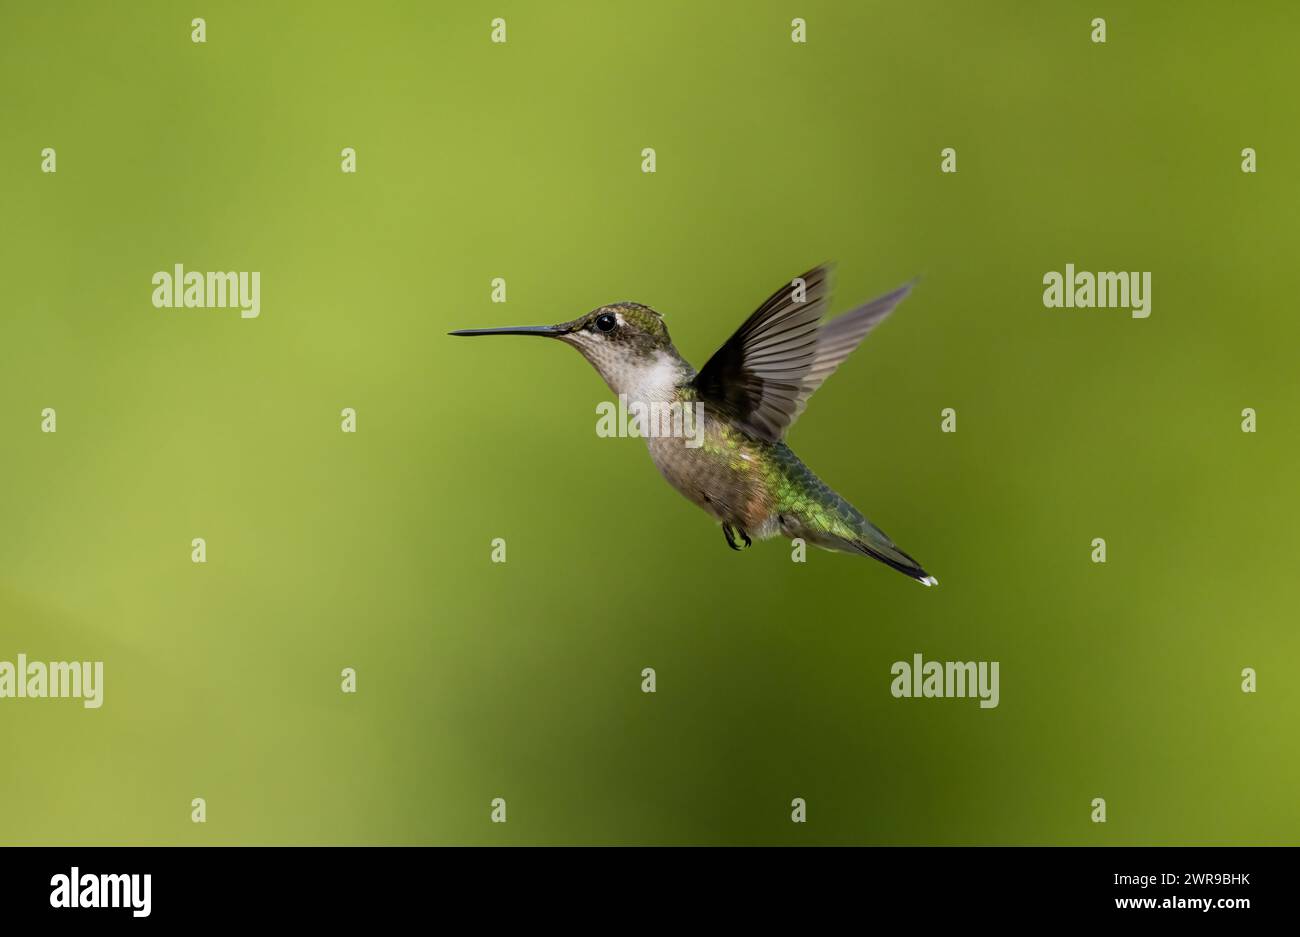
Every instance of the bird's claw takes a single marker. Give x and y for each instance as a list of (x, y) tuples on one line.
[(730, 534)]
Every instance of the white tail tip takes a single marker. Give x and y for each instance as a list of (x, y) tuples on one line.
[(929, 581)]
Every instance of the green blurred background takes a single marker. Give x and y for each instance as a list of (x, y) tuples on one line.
[(522, 680)]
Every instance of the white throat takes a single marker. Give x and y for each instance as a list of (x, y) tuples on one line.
[(654, 379)]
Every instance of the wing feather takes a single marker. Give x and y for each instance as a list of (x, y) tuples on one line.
[(764, 374)]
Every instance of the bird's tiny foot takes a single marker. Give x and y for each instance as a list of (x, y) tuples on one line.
[(730, 534)]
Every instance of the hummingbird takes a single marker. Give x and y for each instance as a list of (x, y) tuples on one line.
[(754, 387)]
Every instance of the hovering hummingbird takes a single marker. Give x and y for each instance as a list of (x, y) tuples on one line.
[(752, 390)]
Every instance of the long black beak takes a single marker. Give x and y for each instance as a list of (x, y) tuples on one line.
[(551, 331)]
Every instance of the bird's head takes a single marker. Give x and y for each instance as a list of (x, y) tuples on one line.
[(627, 343)]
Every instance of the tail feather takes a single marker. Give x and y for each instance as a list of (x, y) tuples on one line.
[(811, 509), (864, 538), (895, 558)]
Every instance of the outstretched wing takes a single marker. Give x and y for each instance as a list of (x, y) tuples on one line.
[(762, 377)]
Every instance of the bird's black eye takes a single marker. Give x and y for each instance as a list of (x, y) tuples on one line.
[(606, 322)]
